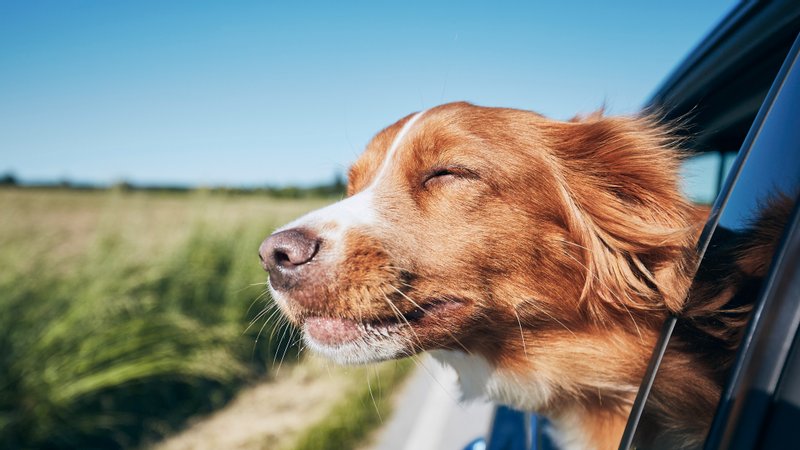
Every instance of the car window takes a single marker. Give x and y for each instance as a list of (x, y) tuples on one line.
[(761, 194)]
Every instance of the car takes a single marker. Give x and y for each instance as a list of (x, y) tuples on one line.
[(738, 94)]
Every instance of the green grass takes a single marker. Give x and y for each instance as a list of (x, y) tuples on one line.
[(124, 313)]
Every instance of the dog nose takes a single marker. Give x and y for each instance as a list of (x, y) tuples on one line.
[(285, 252)]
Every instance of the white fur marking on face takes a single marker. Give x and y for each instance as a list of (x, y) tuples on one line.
[(358, 209), (387, 160), (347, 213), (331, 223)]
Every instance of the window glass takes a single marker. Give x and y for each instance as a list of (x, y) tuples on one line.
[(702, 175), (727, 163), (699, 176)]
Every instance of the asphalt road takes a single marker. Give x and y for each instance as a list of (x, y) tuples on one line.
[(428, 416)]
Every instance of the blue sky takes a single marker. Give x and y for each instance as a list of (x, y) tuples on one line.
[(253, 93)]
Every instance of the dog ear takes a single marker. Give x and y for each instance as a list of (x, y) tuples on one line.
[(623, 204)]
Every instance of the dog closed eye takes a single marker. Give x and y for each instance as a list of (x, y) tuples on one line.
[(448, 174)]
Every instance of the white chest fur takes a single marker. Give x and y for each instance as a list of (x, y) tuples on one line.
[(479, 379)]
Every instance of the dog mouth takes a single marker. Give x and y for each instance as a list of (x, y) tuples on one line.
[(416, 324)]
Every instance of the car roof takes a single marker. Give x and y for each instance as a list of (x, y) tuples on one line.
[(723, 81)]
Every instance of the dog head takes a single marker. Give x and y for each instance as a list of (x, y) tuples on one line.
[(469, 228)]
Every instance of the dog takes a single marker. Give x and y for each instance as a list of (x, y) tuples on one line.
[(539, 258)]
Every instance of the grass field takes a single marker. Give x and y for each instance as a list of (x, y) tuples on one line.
[(125, 313)]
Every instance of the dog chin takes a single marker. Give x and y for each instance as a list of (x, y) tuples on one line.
[(364, 350), (348, 342)]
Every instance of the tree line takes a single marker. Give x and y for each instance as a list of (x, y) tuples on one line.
[(334, 188)]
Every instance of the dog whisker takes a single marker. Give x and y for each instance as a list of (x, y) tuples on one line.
[(285, 326), (575, 244), (417, 305), (260, 296), (545, 312), (271, 310), (262, 313), (372, 396), (521, 334), (399, 315), (261, 330)]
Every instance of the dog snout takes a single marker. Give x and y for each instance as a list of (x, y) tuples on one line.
[(284, 255)]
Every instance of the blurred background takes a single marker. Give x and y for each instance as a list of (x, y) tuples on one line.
[(146, 149)]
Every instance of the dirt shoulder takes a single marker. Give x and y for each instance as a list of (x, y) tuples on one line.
[(270, 414)]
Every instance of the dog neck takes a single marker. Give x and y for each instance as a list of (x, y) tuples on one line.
[(575, 426)]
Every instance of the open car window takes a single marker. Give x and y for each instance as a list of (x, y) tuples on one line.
[(738, 247)]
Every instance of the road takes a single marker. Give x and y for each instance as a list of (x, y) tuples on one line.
[(428, 416)]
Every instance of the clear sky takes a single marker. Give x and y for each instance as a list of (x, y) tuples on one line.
[(265, 92)]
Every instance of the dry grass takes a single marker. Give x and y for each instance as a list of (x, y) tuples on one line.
[(307, 404), (54, 227), (125, 313)]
